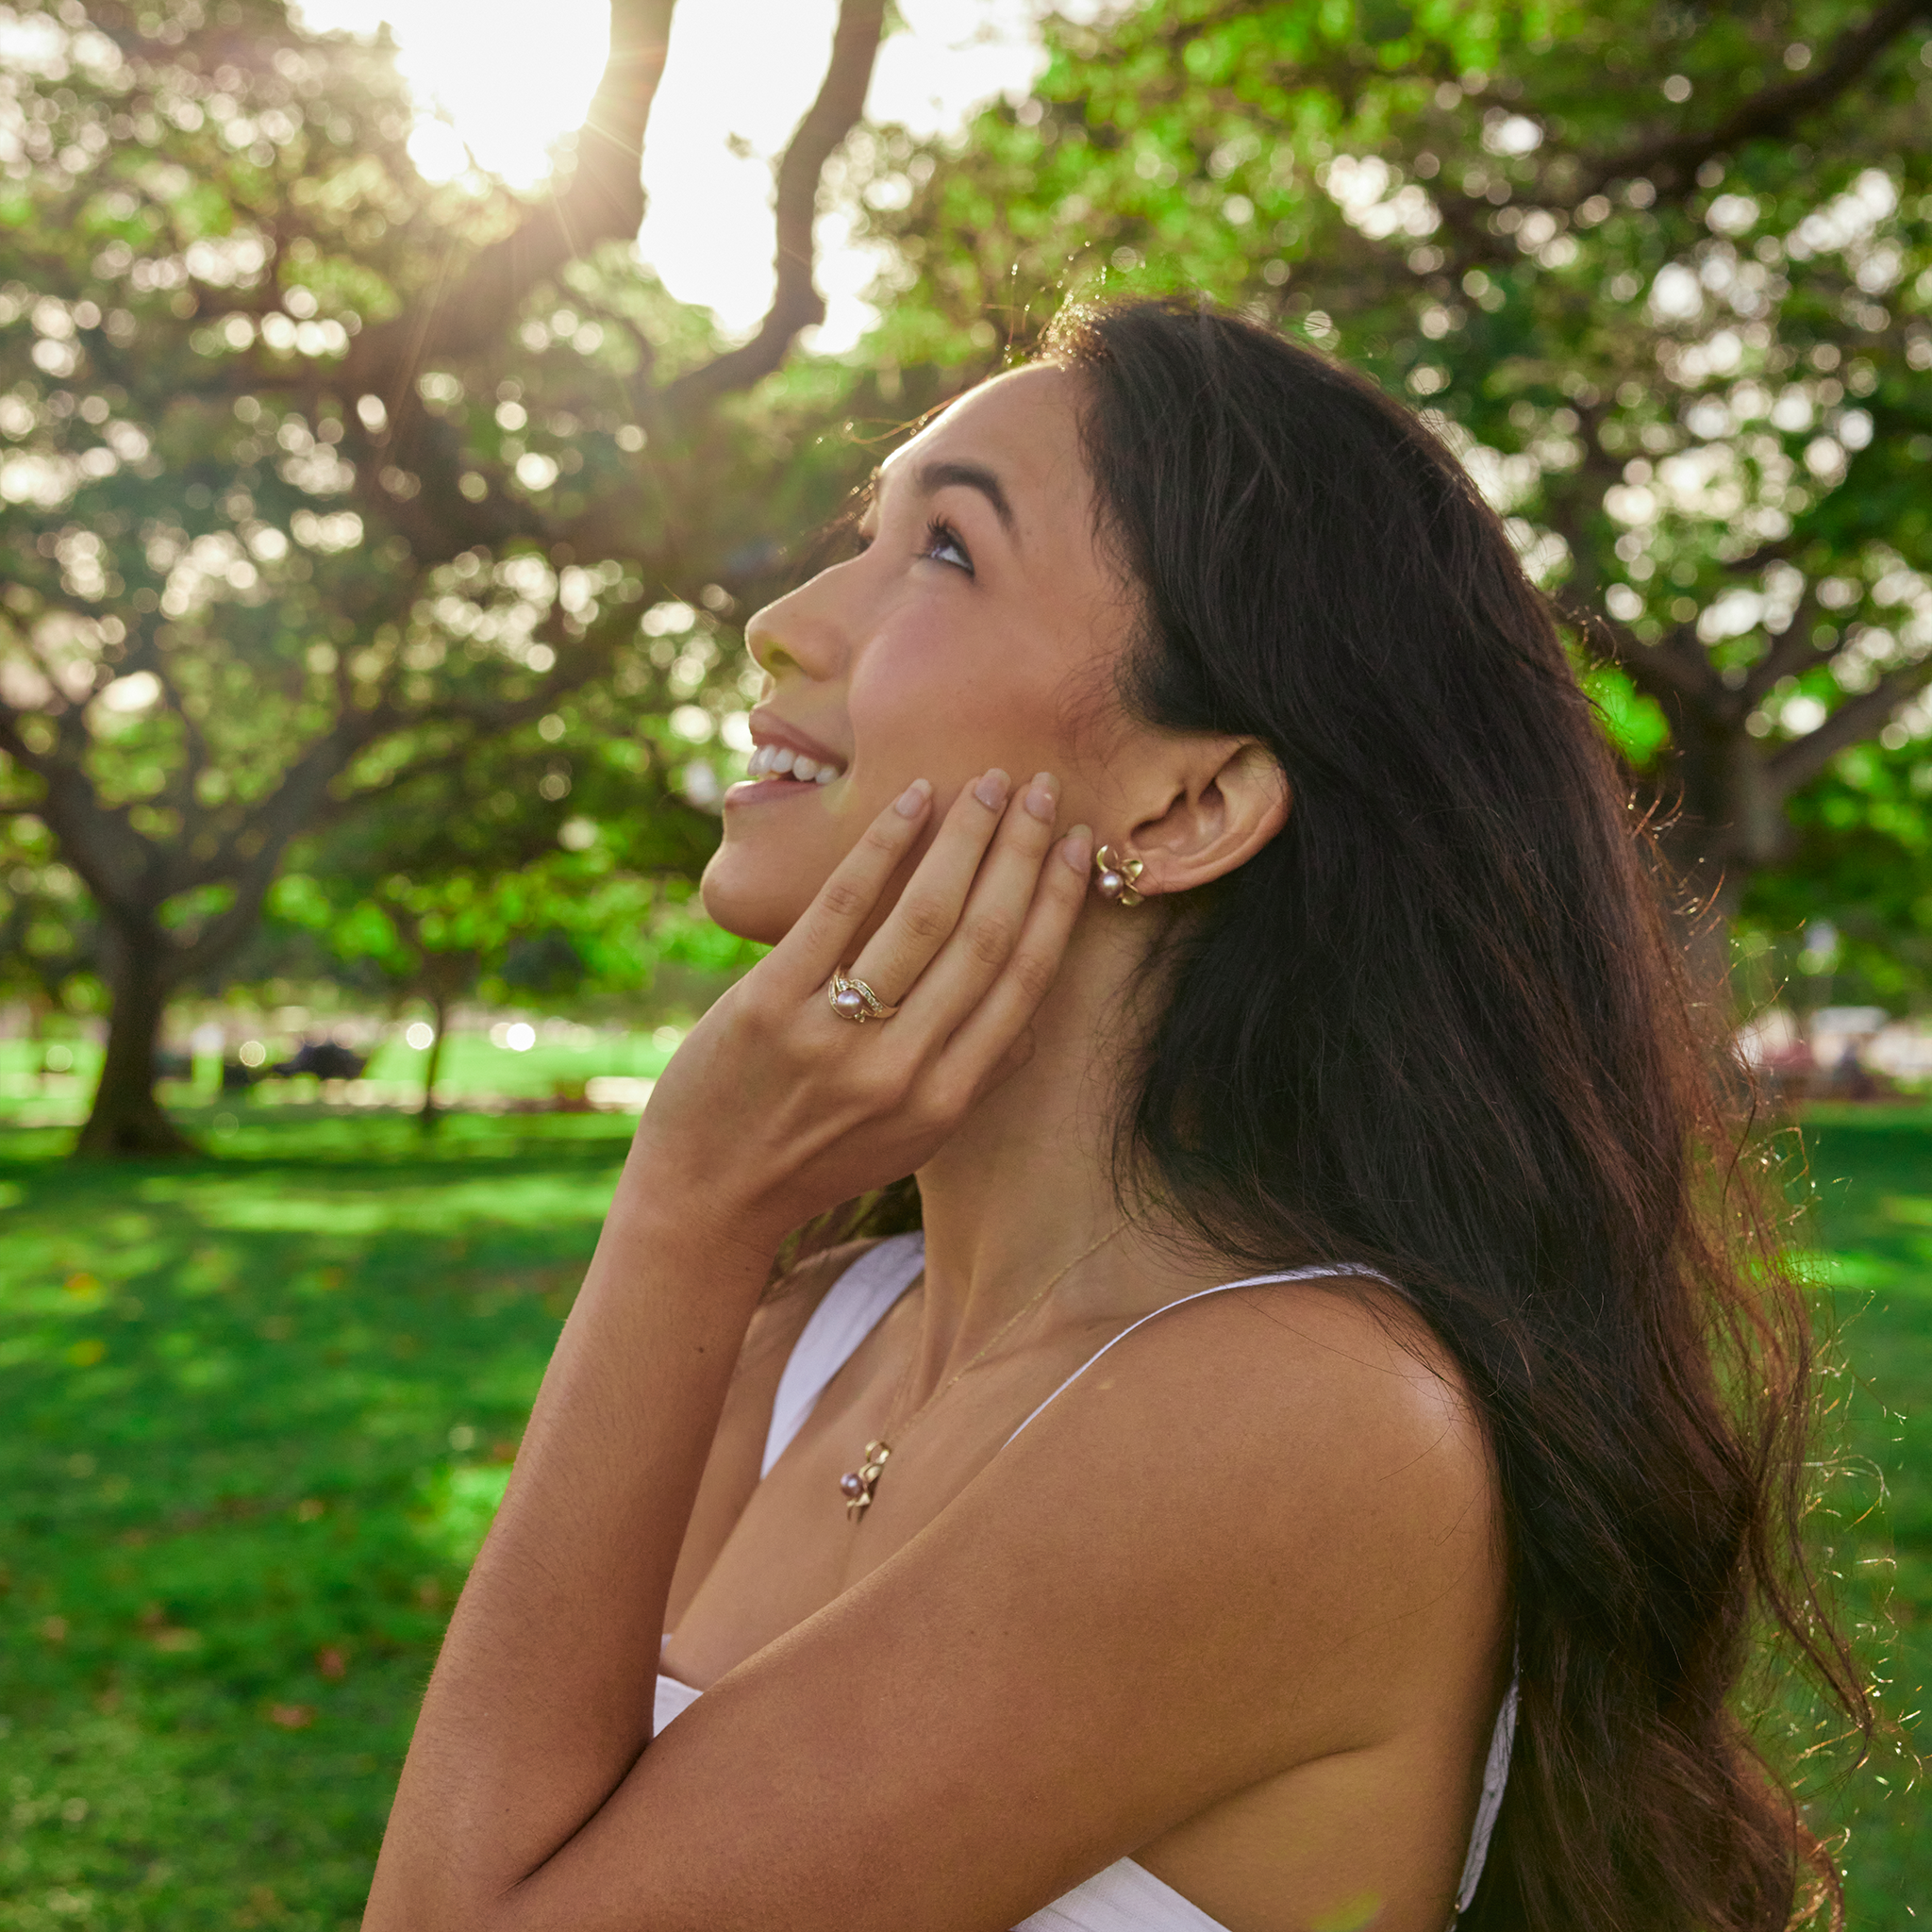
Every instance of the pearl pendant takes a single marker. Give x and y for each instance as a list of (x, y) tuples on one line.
[(857, 1484)]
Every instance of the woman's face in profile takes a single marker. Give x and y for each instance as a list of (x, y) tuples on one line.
[(975, 628)]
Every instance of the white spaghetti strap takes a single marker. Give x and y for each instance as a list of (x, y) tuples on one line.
[(1495, 1776), (852, 1308), (1249, 1281)]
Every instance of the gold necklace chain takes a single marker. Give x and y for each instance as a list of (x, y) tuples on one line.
[(858, 1486)]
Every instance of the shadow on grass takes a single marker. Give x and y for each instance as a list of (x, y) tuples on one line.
[(259, 1410)]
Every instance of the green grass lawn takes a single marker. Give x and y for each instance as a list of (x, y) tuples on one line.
[(1871, 1170), (257, 1411)]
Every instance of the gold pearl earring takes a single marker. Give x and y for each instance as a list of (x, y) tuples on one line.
[(1114, 876)]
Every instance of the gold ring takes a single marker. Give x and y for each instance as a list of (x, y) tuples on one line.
[(852, 999)]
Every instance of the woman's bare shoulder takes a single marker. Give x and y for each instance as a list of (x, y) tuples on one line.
[(1293, 1353), (1306, 1463), (1340, 1373), (1360, 1339)]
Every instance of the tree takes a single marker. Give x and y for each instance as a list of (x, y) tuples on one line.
[(552, 861), (320, 479), (1663, 273)]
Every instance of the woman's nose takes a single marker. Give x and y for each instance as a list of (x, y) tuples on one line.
[(804, 631)]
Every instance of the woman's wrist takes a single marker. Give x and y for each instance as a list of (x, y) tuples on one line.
[(699, 1220)]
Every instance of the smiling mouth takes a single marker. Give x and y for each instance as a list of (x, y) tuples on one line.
[(781, 762)]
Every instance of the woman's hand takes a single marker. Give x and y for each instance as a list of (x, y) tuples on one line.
[(776, 1109)]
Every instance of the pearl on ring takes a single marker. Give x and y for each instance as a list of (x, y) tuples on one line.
[(852, 999)]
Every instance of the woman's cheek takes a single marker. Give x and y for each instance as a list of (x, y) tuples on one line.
[(909, 723)]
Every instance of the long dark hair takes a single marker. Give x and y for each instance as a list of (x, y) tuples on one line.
[(1441, 1025)]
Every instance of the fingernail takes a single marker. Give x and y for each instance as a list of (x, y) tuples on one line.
[(911, 801), (1078, 848), (993, 788), (1040, 800)]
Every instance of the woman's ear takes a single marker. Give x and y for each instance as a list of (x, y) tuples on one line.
[(1231, 797)]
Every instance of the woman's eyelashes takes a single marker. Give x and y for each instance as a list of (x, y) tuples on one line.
[(943, 544)]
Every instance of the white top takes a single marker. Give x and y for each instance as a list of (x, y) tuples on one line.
[(1126, 1898)]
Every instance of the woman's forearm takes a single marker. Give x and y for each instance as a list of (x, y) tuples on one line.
[(542, 1699), (774, 1109)]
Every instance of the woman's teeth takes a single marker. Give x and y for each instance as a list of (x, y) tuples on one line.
[(781, 762)]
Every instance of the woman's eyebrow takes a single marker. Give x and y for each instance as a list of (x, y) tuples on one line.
[(940, 475)]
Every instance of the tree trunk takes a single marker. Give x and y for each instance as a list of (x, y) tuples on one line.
[(126, 1120), (428, 1114), (1724, 820)]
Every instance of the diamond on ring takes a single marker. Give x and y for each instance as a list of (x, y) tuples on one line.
[(852, 999)]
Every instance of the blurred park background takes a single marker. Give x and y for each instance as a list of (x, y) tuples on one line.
[(401, 410)]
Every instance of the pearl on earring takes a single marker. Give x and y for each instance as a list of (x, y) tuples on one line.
[(1115, 877)]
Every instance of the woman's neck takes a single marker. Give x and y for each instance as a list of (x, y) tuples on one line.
[(1024, 1185)]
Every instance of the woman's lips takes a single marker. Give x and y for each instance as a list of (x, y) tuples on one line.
[(774, 785)]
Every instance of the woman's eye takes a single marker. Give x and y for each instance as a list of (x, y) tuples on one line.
[(942, 545)]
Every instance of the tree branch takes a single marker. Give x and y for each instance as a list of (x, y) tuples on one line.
[(270, 824), (1789, 652), (226, 931), (291, 807), (1671, 162), (1800, 761), (604, 202), (1776, 550), (796, 302), (115, 861)]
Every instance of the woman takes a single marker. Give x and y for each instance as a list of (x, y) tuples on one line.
[(1030, 1571)]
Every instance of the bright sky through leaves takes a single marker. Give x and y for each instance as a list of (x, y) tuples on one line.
[(741, 74)]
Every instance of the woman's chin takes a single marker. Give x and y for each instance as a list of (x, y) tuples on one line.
[(751, 908)]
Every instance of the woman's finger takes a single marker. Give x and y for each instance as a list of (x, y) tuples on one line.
[(986, 931), (986, 1036), (821, 941), (930, 905)]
